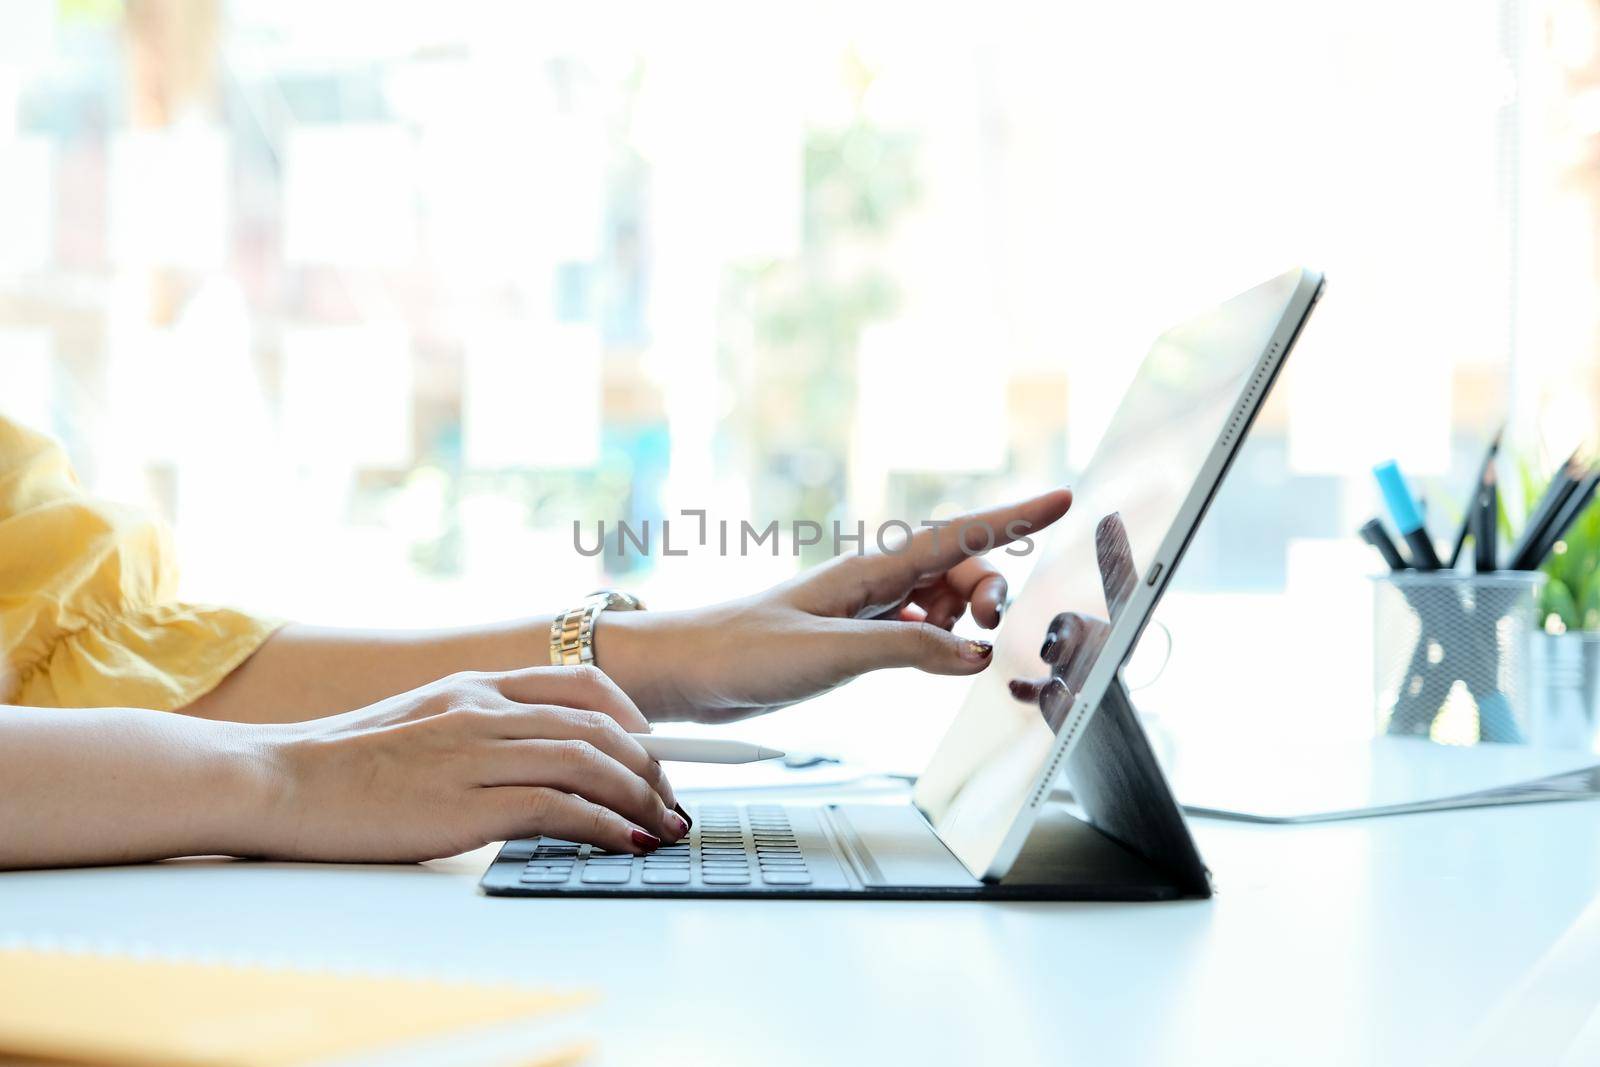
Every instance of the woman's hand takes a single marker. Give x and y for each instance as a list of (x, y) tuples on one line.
[(851, 615), (464, 761)]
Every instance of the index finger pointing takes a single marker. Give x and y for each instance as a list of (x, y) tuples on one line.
[(941, 548)]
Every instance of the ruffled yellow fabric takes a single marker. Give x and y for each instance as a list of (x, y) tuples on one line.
[(88, 608)]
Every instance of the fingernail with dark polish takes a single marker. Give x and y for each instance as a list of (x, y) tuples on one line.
[(1020, 689), (999, 612), (1044, 649), (645, 840), (977, 650), (687, 822), (680, 825)]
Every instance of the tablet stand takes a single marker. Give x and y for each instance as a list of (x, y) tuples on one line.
[(1133, 844)]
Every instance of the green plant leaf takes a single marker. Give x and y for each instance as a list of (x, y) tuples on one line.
[(1577, 566), (1558, 600), (1590, 615)]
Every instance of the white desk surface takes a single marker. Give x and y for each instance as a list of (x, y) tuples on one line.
[(1461, 937)]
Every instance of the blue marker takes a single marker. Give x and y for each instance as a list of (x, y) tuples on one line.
[(1407, 517)]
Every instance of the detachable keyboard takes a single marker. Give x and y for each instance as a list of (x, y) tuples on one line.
[(846, 851), (731, 849)]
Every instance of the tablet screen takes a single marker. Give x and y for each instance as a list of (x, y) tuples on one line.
[(1136, 488)]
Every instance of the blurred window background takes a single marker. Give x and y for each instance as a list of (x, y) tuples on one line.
[(373, 301)]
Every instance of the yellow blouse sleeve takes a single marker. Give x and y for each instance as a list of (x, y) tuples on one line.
[(88, 615)]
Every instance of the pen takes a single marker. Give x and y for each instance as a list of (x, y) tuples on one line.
[(1373, 533), (1562, 484), (1557, 528), (1484, 512), (1403, 509), (1467, 518), (703, 750)]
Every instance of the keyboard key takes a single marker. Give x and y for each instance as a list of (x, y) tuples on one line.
[(544, 877), (606, 875), (665, 876), (783, 861), (786, 877), (725, 879)]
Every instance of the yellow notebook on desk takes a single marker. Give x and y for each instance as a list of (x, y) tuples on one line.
[(79, 1008)]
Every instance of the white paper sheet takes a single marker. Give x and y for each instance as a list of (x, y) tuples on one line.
[(1390, 775)]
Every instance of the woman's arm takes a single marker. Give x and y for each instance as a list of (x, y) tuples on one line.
[(439, 770), (117, 785), (726, 661), (306, 672)]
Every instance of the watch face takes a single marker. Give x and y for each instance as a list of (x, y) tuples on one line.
[(617, 600)]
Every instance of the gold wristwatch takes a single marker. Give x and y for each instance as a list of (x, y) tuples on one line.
[(572, 634)]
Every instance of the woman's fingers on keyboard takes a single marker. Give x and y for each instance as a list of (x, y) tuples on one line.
[(580, 768), (600, 730), (514, 812), (576, 686)]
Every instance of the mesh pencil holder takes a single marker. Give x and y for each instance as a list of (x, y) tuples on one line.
[(1452, 654)]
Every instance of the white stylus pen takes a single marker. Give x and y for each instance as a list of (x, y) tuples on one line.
[(704, 750)]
